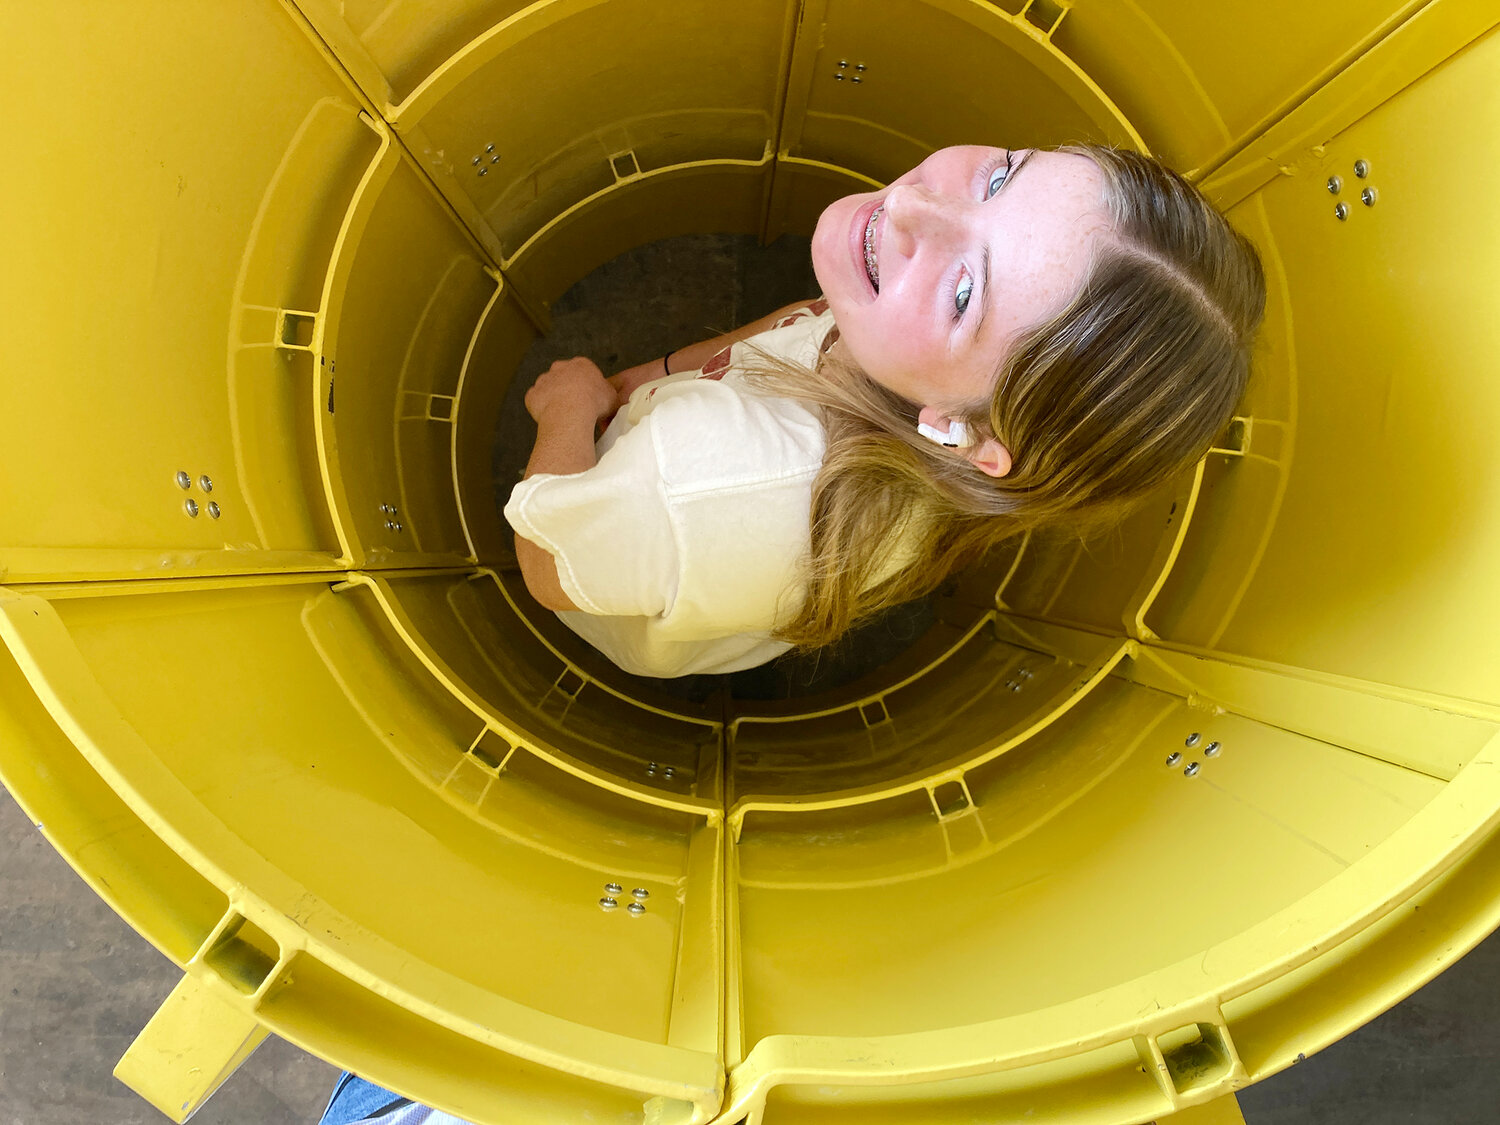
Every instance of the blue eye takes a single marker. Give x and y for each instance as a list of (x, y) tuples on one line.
[(998, 176), (962, 294)]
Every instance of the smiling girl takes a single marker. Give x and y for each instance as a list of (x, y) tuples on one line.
[(1006, 339)]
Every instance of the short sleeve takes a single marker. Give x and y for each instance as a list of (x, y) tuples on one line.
[(607, 528)]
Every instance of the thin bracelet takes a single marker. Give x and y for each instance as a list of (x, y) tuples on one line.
[(664, 359)]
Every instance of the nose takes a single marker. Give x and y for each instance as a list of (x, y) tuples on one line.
[(915, 214)]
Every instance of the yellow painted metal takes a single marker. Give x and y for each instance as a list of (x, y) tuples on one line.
[(1143, 820)]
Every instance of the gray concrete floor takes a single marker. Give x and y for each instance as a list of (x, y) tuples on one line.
[(77, 984)]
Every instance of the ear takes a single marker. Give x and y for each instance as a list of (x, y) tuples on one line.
[(986, 455), (989, 457)]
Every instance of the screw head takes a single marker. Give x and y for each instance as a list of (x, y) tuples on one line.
[(668, 772), (184, 481), (640, 893), (213, 509), (398, 527), (859, 66), (1173, 758), (206, 483), (843, 63), (1341, 212), (489, 148), (636, 909), (1025, 673), (1193, 739), (1361, 168), (190, 506), (858, 79), (484, 171), (613, 889), (495, 159), (838, 77), (1334, 184), (608, 903), (475, 160), (650, 767), (1192, 770), (390, 525), (1212, 750), (1367, 197)]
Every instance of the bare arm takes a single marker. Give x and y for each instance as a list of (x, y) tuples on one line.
[(695, 355), (567, 403)]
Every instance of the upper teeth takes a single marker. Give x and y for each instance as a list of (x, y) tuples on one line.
[(872, 267)]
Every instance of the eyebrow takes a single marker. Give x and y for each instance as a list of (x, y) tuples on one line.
[(984, 274)]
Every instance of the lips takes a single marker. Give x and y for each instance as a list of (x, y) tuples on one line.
[(866, 267)]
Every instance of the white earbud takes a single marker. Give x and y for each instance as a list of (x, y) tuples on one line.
[(956, 437)]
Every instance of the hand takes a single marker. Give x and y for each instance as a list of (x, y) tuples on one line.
[(573, 388), (625, 382)]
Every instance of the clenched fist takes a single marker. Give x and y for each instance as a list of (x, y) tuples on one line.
[(572, 389)]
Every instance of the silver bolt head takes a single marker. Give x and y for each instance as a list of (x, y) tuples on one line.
[(1341, 212), (398, 527), (1212, 750), (475, 160), (1193, 739), (636, 909), (184, 481), (859, 66), (1173, 758), (1192, 770), (1367, 197), (640, 893), (206, 483), (858, 79), (843, 63), (495, 159), (489, 148), (838, 77), (669, 772), (190, 506), (390, 525), (213, 509), (1361, 168), (484, 171), (608, 903), (613, 889), (1025, 673), (1334, 184)]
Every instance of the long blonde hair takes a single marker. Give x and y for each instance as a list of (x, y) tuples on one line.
[(1099, 406)]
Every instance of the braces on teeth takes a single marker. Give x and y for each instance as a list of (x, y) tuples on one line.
[(871, 266)]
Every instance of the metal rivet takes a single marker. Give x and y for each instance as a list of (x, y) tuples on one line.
[(484, 171), (1367, 197), (1334, 184), (390, 525), (1173, 758), (613, 889), (398, 527), (489, 148), (838, 77), (190, 506), (1361, 168), (1193, 739), (495, 159), (1192, 770), (1013, 685), (843, 63), (1025, 673), (1212, 750), (858, 79), (608, 903), (213, 509), (385, 507), (641, 893), (650, 767), (636, 908), (859, 66), (206, 483), (668, 772), (475, 160), (183, 479), (1341, 212)]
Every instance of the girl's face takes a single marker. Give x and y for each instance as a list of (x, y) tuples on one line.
[(930, 279)]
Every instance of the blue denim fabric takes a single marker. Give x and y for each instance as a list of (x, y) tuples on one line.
[(354, 1099)]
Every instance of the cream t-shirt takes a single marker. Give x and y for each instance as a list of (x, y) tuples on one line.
[(681, 546)]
